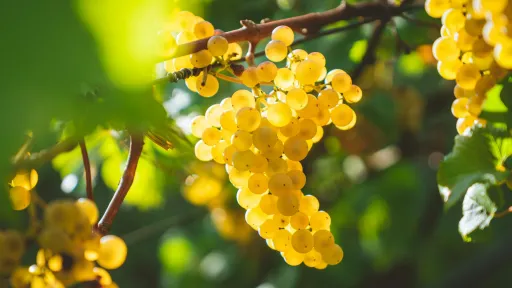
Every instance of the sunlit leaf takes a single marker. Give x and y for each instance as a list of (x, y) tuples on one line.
[(477, 209)]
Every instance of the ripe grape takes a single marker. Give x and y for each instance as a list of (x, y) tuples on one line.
[(268, 204), (320, 221), (283, 34), (276, 51), (202, 151), (282, 240), (292, 257), (88, 207), (258, 183), (112, 253), (203, 29), (333, 255), (210, 87), (296, 148), (248, 119), (299, 221), (211, 136), (287, 204), (241, 99), (302, 241), (268, 229), (250, 77), (20, 197), (279, 184), (264, 138), (246, 199), (284, 78), (266, 71), (298, 178), (279, 114), (296, 98), (217, 45)]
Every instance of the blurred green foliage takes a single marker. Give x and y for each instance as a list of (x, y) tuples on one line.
[(82, 62)]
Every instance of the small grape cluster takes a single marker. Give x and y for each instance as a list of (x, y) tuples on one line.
[(20, 187), (68, 248), (205, 187), (475, 50), (187, 27), (263, 137)]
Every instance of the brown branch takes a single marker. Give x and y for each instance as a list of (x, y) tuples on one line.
[(136, 144), (503, 213), (371, 49), (312, 22), (38, 158), (87, 169)]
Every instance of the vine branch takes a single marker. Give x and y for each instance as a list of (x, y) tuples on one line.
[(87, 170), (503, 213), (38, 158), (136, 144), (312, 23)]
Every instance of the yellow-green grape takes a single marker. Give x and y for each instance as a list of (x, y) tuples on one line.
[(293, 165), (282, 240), (330, 75), (255, 217), (291, 129), (258, 183), (445, 49), (323, 240), (203, 29), (319, 134), (481, 49), (466, 58), (454, 20), (492, 33), (112, 253), (320, 221), (307, 129), (217, 45), (483, 63), (341, 81), (343, 116), (227, 120), (270, 244), (226, 104), (213, 114), (218, 151), (445, 32), (88, 207), (264, 138), (322, 75), (20, 197), (353, 95), (298, 179), (279, 184), (299, 221), (281, 220), (468, 76), (55, 263), (436, 8), (191, 83), (448, 69), (211, 136), (503, 55), (266, 123), (181, 62), (242, 160), (202, 151), (260, 164), (210, 87), (288, 204), (198, 125), (104, 277), (475, 105), (474, 26), (234, 52), (279, 114), (465, 123), (494, 6), (298, 54), (308, 72), (268, 204), (296, 148), (297, 99), (55, 239), (185, 20), (458, 92), (464, 40), (312, 258), (226, 135), (82, 270), (201, 59), (276, 51), (248, 119), (241, 99), (246, 199), (25, 179), (311, 110), (333, 255), (166, 44), (322, 118), (302, 241), (317, 57), (328, 98), (276, 166), (250, 77), (185, 37), (283, 34), (266, 71), (284, 78), (242, 140), (485, 84), (275, 151), (268, 229), (292, 257), (238, 178)]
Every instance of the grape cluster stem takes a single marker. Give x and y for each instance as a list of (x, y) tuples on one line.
[(87, 169)]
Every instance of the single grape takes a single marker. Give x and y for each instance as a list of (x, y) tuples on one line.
[(264, 138), (268, 229), (268, 204), (296, 148), (112, 253), (248, 119), (323, 240), (279, 114), (241, 99), (246, 199), (242, 160), (203, 29), (217, 45), (291, 129), (210, 87), (283, 34), (20, 197), (258, 183), (202, 151), (302, 241), (201, 59), (292, 257), (320, 221), (276, 51), (353, 95), (266, 71), (88, 207), (288, 204), (250, 77), (211, 136), (284, 78), (299, 221), (282, 240), (333, 255)]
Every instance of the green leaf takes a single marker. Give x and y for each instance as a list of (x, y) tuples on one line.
[(477, 210), (357, 51), (474, 158), (493, 102), (411, 64)]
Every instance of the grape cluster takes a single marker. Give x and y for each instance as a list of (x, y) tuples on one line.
[(186, 27), (475, 50), (205, 187), (20, 187), (261, 138), (68, 249)]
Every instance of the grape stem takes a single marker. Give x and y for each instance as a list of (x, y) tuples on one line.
[(136, 144), (503, 213), (310, 23), (87, 169), (38, 158)]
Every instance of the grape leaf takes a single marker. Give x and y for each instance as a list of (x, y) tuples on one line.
[(477, 210), (473, 159)]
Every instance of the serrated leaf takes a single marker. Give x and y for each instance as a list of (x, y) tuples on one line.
[(477, 210), (473, 159)]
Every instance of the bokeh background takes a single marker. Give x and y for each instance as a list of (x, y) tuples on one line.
[(377, 181)]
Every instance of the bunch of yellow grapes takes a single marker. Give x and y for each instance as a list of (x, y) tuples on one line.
[(186, 27), (205, 187), (261, 138), (20, 187), (475, 50), (68, 249)]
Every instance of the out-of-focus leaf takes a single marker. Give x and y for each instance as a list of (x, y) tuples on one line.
[(474, 158), (494, 103), (477, 210), (357, 51), (411, 64), (176, 254)]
